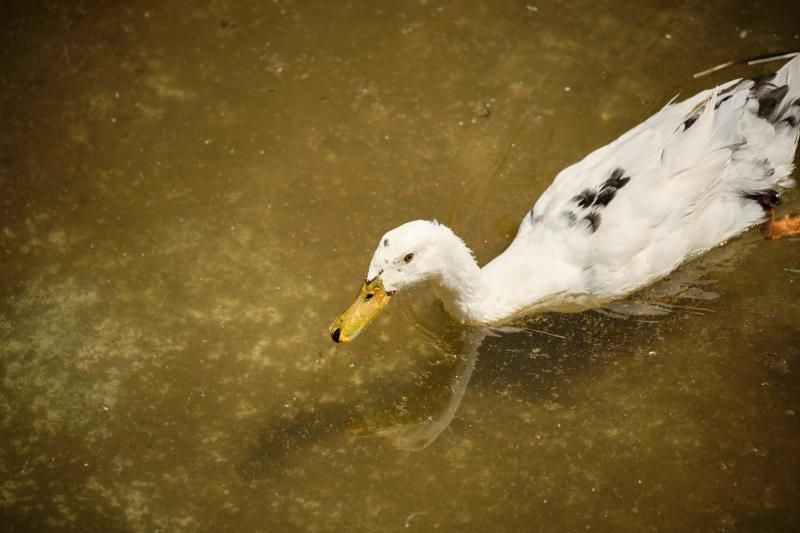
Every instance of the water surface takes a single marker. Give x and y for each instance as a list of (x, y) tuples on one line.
[(190, 194)]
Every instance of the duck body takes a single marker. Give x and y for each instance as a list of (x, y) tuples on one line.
[(694, 175), (689, 178)]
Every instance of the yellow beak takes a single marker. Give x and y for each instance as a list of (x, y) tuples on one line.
[(370, 300)]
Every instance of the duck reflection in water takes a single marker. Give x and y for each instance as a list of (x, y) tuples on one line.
[(416, 436)]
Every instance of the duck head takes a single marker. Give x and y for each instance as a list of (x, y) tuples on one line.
[(405, 256)]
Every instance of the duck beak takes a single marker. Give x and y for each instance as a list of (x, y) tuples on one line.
[(370, 300)]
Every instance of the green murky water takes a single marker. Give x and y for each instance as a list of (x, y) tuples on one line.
[(191, 193)]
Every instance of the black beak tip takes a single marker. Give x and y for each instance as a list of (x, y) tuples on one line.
[(335, 334)]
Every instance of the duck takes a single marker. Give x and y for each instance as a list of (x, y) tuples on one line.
[(696, 174)]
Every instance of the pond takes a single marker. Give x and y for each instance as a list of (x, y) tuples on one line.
[(191, 193)]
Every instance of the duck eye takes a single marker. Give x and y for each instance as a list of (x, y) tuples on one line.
[(408, 258)]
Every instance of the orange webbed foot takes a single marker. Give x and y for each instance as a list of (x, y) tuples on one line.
[(788, 226)]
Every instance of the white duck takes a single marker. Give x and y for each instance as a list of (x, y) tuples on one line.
[(692, 176)]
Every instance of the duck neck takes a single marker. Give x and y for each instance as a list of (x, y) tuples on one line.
[(483, 295), (459, 283)]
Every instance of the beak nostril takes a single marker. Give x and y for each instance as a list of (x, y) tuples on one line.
[(335, 334), (368, 296)]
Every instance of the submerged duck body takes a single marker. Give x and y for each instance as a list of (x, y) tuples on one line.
[(691, 177)]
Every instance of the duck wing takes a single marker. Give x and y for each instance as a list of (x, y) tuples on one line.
[(693, 175)]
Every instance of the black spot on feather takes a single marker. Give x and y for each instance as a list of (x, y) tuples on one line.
[(617, 180), (689, 122), (762, 84), (571, 217), (791, 116), (606, 191), (386, 242), (767, 199), (722, 101), (593, 219), (605, 196), (586, 198), (768, 103)]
